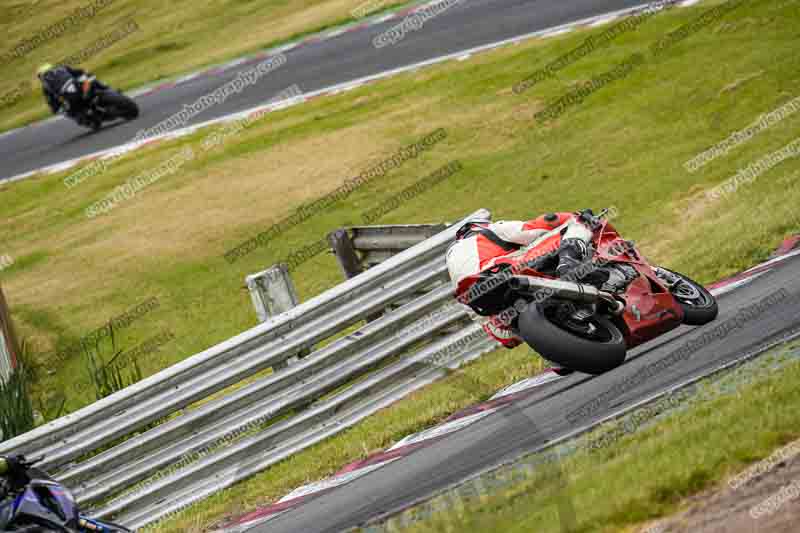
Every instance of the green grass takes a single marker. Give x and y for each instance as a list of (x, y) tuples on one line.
[(16, 403), (174, 38), (646, 474), (625, 146)]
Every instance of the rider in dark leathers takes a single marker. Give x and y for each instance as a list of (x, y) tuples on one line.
[(54, 79)]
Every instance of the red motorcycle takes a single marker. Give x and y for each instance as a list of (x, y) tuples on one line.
[(589, 319)]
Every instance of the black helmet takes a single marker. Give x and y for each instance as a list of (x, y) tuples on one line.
[(468, 227)]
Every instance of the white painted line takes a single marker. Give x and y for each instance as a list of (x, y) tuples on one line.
[(348, 88), (335, 481), (235, 63), (536, 381), (284, 48), (20, 177), (60, 166), (283, 104), (602, 21), (464, 57), (774, 260), (336, 33), (443, 429), (184, 79), (736, 284), (138, 92), (557, 32), (120, 150)]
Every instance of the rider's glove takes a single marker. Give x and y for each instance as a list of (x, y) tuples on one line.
[(587, 217)]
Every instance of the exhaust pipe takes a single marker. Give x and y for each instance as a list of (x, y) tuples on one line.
[(542, 289)]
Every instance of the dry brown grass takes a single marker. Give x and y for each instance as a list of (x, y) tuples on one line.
[(259, 188)]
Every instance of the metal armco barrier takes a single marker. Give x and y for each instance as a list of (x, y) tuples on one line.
[(359, 248), (203, 450)]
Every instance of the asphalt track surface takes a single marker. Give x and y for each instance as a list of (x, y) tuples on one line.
[(347, 57), (531, 422)]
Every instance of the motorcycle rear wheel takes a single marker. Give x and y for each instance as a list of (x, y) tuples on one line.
[(598, 349)]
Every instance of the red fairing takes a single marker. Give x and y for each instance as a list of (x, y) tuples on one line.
[(501, 333), (650, 309), (556, 219)]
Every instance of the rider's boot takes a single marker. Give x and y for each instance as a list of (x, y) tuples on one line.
[(571, 254), (574, 250)]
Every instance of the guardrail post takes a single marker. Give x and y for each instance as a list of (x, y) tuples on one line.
[(345, 252), (9, 349), (273, 293)]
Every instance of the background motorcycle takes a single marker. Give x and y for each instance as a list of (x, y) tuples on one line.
[(45, 506), (589, 319), (91, 103)]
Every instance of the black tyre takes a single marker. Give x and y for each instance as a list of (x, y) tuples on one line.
[(120, 105), (699, 305), (594, 346)]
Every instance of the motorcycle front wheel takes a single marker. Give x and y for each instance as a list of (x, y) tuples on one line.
[(593, 346), (699, 306)]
